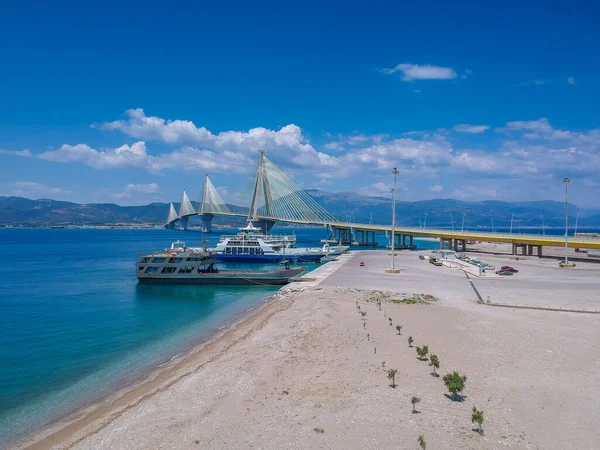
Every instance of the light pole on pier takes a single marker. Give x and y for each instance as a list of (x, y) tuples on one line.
[(452, 221), (566, 181), (462, 228), (420, 224), (425, 222), (543, 227), (511, 223), (492, 219), (393, 269), (576, 223)]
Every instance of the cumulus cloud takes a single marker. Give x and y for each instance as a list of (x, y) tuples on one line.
[(472, 129), (286, 146), (436, 188), (571, 80), (411, 72)]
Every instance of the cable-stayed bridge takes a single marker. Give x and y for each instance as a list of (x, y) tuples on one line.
[(277, 198)]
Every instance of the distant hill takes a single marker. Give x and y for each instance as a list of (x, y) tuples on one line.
[(346, 206)]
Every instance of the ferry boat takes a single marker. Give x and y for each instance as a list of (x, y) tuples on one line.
[(250, 245), (190, 265)]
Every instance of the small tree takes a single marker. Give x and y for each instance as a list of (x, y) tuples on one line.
[(477, 416), (455, 382), (392, 376), (421, 441), (435, 363), (410, 341), (422, 352), (414, 400), (399, 328), (390, 319), (363, 314)]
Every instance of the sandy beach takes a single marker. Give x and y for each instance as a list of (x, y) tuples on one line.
[(307, 371)]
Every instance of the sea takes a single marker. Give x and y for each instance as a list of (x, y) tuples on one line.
[(75, 325)]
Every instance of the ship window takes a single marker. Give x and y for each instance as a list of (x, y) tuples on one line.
[(168, 269), (175, 260), (186, 270), (151, 269), (159, 260), (141, 268), (146, 260)]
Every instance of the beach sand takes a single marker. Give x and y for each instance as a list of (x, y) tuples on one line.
[(306, 362)]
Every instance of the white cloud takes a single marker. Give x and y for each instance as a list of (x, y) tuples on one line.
[(436, 188), (472, 129), (412, 72), (571, 80), (539, 129), (150, 188), (382, 187), (285, 146), (32, 188), (23, 153)]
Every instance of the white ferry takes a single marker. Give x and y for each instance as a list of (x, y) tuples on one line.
[(250, 245)]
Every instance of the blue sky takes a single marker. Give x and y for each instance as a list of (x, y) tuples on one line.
[(130, 102)]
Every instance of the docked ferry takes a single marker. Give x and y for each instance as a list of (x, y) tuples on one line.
[(250, 245), (190, 265)]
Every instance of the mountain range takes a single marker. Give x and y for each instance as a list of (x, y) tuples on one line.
[(346, 206)]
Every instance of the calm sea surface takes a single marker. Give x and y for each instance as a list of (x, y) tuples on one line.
[(75, 324)]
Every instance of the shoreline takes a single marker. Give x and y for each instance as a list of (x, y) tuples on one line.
[(68, 430)]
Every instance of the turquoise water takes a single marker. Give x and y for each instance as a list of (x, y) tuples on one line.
[(75, 324)]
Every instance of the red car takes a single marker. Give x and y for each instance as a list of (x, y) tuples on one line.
[(509, 269)]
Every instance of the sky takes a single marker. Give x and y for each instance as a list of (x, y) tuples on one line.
[(131, 102)]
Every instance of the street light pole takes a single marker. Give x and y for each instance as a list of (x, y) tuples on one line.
[(543, 227), (511, 223), (425, 222), (452, 221), (566, 181), (576, 223), (394, 172), (420, 224), (492, 219), (462, 228)]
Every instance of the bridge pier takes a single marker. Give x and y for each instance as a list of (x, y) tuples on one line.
[(527, 250), (207, 222), (265, 225), (183, 223)]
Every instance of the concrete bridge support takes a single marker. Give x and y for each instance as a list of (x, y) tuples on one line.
[(265, 225), (527, 250), (207, 222), (183, 223)]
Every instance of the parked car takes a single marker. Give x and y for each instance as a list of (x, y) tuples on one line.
[(510, 269), (504, 272)]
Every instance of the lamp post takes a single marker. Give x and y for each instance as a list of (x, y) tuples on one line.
[(462, 228), (511, 223), (394, 172), (576, 223), (492, 219), (425, 222), (543, 227), (566, 181), (420, 224), (452, 221)]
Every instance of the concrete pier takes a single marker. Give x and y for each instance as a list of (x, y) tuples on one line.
[(527, 250)]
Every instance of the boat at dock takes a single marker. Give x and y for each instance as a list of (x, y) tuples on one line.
[(191, 265), (250, 245)]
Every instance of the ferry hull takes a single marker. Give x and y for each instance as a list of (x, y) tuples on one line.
[(276, 278), (269, 258)]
